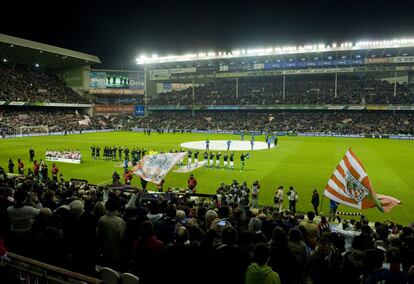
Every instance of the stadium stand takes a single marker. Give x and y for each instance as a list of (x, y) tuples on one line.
[(23, 85), (299, 90)]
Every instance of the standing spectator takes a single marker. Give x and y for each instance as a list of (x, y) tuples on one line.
[(11, 166), (315, 201), (36, 168), (255, 193), (278, 198), (20, 166), (147, 251), (324, 262), (311, 229), (21, 219), (333, 207), (110, 232), (285, 266), (31, 154), (293, 198), (55, 171), (192, 183), (43, 170), (259, 271), (231, 260)]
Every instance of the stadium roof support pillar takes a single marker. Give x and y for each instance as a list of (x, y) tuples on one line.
[(192, 108), (395, 83), (336, 85), (237, 87), (150, 87), (284, 87)]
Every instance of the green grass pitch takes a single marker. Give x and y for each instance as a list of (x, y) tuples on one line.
[(304, 162)]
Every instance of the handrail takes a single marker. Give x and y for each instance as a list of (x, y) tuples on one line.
[(48, 267)]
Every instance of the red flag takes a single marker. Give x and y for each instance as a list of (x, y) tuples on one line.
[(351, 186)]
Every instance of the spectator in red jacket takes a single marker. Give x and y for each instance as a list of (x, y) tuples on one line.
[(192, 183)]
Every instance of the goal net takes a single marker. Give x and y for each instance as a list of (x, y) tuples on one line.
[(38, 129)]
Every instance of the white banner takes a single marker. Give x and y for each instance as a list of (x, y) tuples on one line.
[(154, 168), (63, 160)]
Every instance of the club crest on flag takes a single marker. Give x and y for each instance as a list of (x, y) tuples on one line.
[(351, 186), (154, 168), (355, 189)]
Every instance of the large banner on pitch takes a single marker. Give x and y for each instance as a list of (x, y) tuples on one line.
[(154, 168)]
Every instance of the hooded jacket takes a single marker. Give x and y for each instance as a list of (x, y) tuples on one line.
[(257, 274)]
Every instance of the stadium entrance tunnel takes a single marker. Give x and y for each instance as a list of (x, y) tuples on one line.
[(221, 145)]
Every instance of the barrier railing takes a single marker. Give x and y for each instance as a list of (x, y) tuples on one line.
[(28, 270)]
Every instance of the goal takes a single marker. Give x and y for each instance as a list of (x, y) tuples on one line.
[(38, 129)]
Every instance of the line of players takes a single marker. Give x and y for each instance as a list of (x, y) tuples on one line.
[(228, 160), (110, 153)]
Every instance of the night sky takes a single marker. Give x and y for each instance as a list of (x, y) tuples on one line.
[(118, 31)]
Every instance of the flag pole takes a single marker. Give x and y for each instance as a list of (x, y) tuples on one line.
[(323, 197)]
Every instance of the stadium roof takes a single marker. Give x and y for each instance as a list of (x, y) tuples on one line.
[(22, 51), (396, 47)]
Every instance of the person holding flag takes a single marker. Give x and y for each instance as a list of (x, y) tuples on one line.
[(252, 142), (350, 185), (228, 145)]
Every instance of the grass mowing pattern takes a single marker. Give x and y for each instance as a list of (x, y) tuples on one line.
[(304, 162)]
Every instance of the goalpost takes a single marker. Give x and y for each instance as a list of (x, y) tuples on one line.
[(39, 129)]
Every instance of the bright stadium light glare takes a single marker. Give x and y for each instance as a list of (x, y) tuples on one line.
[(278, 50), (4, 60), (37, 65)]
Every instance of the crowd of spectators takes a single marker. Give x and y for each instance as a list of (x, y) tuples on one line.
[(298, 90), (339, 122), (23, 85), (374, 122), (11, 120), (76, 226)]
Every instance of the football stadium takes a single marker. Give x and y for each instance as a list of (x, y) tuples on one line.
[(282, 164)]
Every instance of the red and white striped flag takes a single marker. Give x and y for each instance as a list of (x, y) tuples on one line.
[(350, 185)]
